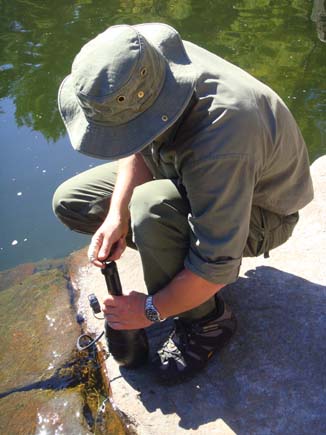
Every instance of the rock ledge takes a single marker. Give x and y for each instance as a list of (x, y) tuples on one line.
[(271, 378)]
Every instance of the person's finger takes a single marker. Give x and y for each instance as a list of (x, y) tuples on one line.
[(105, 248), (107, 310), (116, 325), (111, 301), (111, 317), (92, 256), (94, 246), (98, 263), (118, 249)]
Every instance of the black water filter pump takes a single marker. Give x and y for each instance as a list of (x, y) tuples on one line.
[(128, 347)]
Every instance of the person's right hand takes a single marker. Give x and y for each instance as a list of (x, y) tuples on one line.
[(108, 242)]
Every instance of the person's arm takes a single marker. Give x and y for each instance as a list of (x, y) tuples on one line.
[(218, 229), (184, 292), (132, 172)]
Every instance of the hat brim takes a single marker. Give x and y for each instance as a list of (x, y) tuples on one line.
[(114, 142)]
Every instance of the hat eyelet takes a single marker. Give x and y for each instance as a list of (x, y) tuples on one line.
[(140, 94), (143, 72), (121, 99), (165, 118)]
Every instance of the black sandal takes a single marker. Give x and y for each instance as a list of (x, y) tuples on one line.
[(191, 344)]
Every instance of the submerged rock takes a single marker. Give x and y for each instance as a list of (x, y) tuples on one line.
[(11, 277), (38, 330)]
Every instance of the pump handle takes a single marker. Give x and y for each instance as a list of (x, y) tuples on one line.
[(112, 279)]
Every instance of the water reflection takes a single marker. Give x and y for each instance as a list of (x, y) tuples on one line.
[(273, 40), (318, 15), (276, 41)]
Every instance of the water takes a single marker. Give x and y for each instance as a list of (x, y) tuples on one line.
[(277, 41)]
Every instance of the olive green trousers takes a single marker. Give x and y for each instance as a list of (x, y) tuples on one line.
[(159, 226)]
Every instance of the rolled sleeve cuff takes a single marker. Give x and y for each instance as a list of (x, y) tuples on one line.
[(221, 272)]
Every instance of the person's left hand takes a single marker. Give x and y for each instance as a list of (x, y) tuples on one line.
[(126, 312)]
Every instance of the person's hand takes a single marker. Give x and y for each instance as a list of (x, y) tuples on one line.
[(108, 242), (126, 312)]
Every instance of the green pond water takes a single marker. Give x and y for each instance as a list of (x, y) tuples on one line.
[(280, 42)]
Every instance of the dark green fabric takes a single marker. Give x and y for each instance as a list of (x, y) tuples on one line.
[(267, 231)]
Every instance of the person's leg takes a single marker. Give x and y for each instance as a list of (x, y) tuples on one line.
[(267, 231), (83, 201), (161, 233)]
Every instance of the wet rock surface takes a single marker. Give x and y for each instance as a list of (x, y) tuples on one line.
[(271, 378), (42, 412), (46, 385), (38, 329)]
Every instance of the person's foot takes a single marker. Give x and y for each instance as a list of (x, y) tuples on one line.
[(192, 343)]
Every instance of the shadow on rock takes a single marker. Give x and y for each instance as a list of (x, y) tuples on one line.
[(271, 377)]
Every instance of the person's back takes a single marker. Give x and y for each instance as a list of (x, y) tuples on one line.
[(238, 115)]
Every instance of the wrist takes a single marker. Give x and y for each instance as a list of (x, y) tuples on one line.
[(162, 304), (121, 216)]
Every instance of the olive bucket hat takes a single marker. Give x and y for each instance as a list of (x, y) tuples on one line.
[(127, 86)]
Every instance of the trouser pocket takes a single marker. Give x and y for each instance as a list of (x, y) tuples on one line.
[(267, 231)]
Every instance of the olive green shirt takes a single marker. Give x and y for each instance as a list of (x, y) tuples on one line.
[(236, 146)]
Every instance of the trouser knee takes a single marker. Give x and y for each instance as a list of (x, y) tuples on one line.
[(159, 215), (77, 211), (145, 212), (59, 205), (82, 202)]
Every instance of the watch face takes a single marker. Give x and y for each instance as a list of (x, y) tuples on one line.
[(152, 315), (151, 312)]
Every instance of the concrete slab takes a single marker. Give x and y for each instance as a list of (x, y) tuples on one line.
[(271, 379)]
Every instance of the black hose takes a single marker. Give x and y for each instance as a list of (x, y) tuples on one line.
[(91, 343)]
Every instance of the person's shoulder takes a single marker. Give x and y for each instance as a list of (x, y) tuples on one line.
[(222, 84), (217, 125)]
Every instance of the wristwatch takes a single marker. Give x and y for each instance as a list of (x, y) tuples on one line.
[(151, 311)]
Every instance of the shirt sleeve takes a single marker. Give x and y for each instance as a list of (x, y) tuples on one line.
[(220, 190)]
